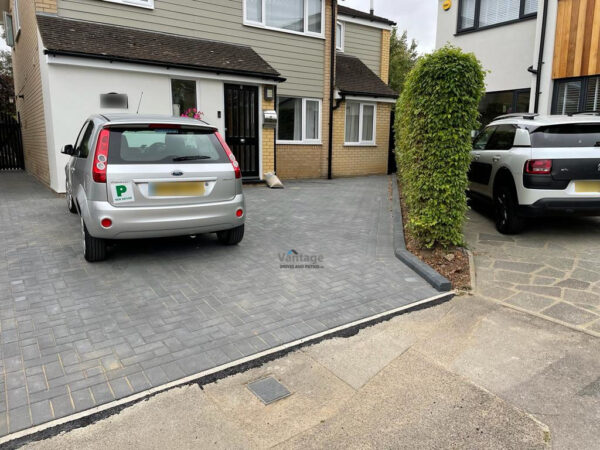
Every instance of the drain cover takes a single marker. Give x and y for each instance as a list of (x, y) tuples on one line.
[(268, 390)]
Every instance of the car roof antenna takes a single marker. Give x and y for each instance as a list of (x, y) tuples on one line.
[(140, 103)]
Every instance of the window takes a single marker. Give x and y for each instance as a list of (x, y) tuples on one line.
[(481, 141), (8, 30), (576, 95), (575, 135), (141, 3), (82, 146), (360, 123), (503, 138), (495, 104), (295, 16), (339, 36), (299, 120), (476, 14), (17, 21), (184, 96)]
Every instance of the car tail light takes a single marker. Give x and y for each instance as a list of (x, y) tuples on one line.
[(538, 166), (239, 212), (231, 156), (101, 157)]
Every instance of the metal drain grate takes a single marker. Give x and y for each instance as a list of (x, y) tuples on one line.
[(268, 390)]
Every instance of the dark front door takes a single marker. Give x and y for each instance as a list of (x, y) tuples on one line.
[(241, 126)]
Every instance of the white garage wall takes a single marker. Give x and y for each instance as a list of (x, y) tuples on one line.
[(72, 94)]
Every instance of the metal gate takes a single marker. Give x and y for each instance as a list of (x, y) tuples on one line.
[(11, 144), (241, 122)]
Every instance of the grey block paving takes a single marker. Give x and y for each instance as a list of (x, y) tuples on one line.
[(75, 335)]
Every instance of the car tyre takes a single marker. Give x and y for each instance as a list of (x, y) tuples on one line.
[(231, 237), (94, 249), (505, 211), (71, 203)]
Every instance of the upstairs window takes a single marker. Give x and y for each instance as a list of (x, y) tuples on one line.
[(477, 14), (339, 36), (294, 16)]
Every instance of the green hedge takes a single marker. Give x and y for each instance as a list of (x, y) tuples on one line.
[(436, 113)]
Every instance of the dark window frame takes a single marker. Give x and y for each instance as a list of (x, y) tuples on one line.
[(515, 100), (582, 98), (476, 27)]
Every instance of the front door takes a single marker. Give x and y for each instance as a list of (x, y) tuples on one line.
[(241, 126)]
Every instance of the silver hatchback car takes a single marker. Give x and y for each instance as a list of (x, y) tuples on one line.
[(132, 177)]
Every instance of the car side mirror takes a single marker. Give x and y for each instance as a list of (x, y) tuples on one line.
[(522, 138), (68, 150)]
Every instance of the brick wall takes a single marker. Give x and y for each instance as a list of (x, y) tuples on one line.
[(28, 83), (355, 160), (268, 139), (385, 55)]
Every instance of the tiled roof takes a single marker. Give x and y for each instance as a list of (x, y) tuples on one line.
[(96, 40), (363, 15), (353, 77)]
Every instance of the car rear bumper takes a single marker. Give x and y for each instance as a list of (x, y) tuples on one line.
[(150, 222), (562, 207)]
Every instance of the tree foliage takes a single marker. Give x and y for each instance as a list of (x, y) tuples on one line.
[(436, 113), (403, 57)]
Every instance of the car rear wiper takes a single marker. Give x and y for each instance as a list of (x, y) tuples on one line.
[(191, 158)]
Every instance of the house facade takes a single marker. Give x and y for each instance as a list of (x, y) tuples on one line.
[(542, 56), (233, 60)]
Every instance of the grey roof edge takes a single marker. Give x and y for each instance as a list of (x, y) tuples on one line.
[(357, 14)]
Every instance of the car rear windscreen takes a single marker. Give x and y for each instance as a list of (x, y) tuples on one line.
[(566, 135), (144, 145)]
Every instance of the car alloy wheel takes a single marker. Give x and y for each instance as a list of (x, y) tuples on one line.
[(502, 208)]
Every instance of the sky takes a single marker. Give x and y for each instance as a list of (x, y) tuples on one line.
[(418, 17)]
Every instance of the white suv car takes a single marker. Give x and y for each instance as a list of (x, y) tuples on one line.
[(531, 166)]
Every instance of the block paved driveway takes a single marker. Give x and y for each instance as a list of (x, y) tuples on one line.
[(75, 335)]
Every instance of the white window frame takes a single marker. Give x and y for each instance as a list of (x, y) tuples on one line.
[(304, 141), (360, 142), (262, 24), (8, 29), (16, 21), (148, 4), (342, 35)]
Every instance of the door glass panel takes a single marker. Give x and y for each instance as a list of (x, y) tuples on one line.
[(290, 119), (495, 104), (286, 14), (503, 138), (184, 96), (523, 101), (352, 122), (312, 120), (368, 119)]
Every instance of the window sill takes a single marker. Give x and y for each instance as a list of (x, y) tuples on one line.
[(360, 144), (306, 143), (496, 25), (149, 5), (282, 30)]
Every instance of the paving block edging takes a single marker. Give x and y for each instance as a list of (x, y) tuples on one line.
[(436, 280)]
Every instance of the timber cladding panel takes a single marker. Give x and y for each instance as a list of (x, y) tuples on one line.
[(577, 41)]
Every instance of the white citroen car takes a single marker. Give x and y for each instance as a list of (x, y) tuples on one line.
[(530, 166)]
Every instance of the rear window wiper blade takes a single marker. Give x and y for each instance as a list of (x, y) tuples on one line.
[(191, 158)]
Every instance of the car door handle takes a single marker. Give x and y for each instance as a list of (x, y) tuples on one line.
[(72, 169), (496, 158), (476, 156)]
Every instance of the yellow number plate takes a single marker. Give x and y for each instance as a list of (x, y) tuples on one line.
[(587, 186), (177, 189)]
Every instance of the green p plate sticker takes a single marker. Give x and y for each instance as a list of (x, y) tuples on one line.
[(122, 192)]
